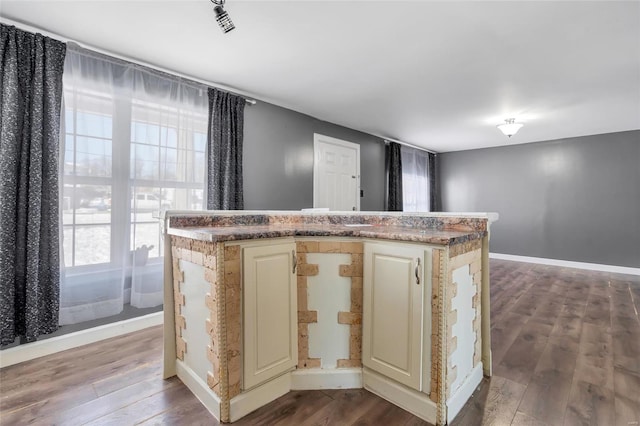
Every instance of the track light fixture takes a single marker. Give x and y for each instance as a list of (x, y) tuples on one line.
[(222, 17)]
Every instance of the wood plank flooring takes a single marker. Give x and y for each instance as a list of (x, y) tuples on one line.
[(566, 351)]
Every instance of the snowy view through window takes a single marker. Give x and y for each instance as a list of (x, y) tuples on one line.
[(120, 173)]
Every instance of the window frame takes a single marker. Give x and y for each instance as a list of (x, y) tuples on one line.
[(122, 216)]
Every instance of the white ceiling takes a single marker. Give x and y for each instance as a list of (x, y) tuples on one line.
[(440, 75)]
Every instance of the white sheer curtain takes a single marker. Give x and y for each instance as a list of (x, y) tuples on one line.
[(415, 180), (134, 145)]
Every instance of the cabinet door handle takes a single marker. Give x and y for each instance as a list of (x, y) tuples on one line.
[(295, 260), (417, 270)]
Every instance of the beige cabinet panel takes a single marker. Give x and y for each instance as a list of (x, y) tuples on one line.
[(393, 311), (270, 312)]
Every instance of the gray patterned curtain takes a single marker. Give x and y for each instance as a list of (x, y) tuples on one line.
[(393, 159), (224, 151), (434, 184), (31, 73)]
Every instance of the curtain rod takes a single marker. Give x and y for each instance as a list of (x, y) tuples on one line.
[(409, 145), (50, 34)]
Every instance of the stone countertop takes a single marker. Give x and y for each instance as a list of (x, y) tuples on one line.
[(385, 232)]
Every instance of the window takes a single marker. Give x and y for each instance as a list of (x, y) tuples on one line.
[(415, 180), (87, 179), (134, 145), (166, 167)]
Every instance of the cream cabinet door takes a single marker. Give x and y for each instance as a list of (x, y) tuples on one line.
[(270, 312), (393, 311)]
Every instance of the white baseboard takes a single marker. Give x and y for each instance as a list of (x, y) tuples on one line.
[(199, 388), (316, 378), (260, 396), (41, 348), (464, 392), (417, 403), (567, 264)]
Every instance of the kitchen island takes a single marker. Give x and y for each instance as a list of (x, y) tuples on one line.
[(261, 303)]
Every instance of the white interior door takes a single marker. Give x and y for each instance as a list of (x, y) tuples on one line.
[(336, 174)]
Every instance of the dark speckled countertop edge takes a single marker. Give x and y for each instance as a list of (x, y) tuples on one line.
[(395, 233)]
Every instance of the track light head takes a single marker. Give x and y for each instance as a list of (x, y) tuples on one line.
[(222, 17)]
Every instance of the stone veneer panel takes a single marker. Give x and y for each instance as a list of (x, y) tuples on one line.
[(203, 254), (305, 316), (233, 310), (178, 303), (353, 318), (436, 308), (466, 254)]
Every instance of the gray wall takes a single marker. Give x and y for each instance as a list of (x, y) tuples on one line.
[(572, 199), (278, 159)]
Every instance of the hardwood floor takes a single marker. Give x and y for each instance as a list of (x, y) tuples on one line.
[(566, 351)]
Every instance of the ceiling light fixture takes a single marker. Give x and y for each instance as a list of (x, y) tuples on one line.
[(510, 127), (222, 17)]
